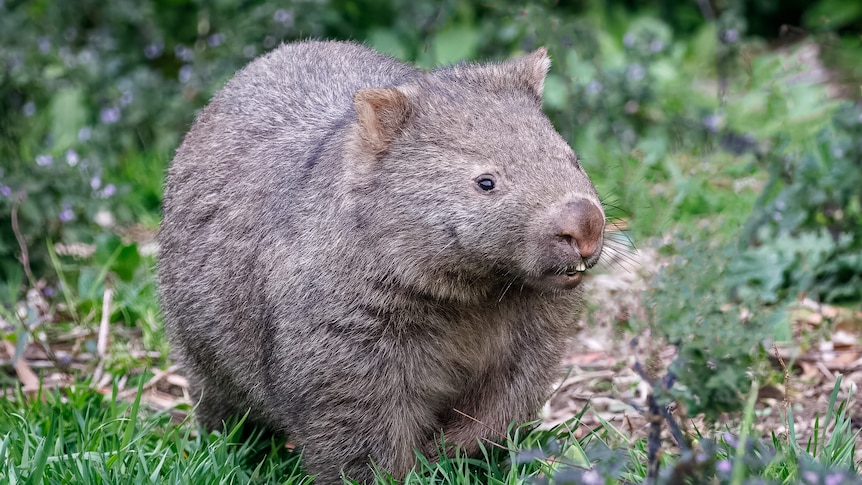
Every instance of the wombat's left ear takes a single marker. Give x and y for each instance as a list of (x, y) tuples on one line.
[(532, 69), (381, 115)]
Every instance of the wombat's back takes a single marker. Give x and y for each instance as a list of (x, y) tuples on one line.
[(272, 128)]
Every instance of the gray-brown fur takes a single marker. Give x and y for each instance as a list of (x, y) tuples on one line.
[(329, 262)]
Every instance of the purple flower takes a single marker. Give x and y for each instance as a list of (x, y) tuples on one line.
[(5, 191), (109, 115), (713, 123), (730, 36), (183, 53), (44, 45), (95, 183), (66, 214), (186, 73), (284, 17), (44, 160), (833, 479), (109, 190), (594, 87), (215, 40), (151, 51), (126, 98), (72, 158), (636, 72), (629, 39), (724, 466), (84, 133), (656, 46)]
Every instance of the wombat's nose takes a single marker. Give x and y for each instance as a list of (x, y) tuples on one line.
[(581, 225)]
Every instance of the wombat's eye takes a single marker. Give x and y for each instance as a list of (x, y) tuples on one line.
[(486, 182)]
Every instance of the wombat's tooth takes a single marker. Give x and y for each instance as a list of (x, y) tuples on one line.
[(581, 267)]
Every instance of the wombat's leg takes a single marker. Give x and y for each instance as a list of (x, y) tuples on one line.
[(513, 391), (387, 438), (212, 406)]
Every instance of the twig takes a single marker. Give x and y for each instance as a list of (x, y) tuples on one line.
[(102, 341), (501, 435), (786, 387), (158, 375), (25, 256), (26, 375)]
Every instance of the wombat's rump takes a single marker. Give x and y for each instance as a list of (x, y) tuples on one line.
[(352, 249)]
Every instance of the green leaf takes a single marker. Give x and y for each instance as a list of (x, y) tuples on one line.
[(68, 115)]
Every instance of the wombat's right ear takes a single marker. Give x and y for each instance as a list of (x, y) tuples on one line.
[(382, 114), (532, 69)]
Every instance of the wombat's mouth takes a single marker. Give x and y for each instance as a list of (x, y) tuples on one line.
[(568, 276)]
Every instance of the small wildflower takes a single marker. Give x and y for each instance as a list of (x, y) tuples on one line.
[(215, 40), (780, 205), (104, 219), (109, 190), (109, 115), (183, 53), (5, 191), (86, 56), (44, 160), (833, 479), (656, 46), (636, 72), (126, 98), (269, 42), (151, 51), (730, 439), (84, 133), (594, 87), (284, 17), (95, 183), (185, 73), (591, 477), (629, 39), (29, 109), (72, 158), (713, 123), (730, 36), (44, 44), (66, 214), (810, 477), (724, 466)]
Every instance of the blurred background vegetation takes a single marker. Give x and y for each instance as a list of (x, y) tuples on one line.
[(727, 133)]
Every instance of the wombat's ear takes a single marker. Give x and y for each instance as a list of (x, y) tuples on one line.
[(382, 114), (532, 69)]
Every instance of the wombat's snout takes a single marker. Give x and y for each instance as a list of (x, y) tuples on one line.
[(579, 228)]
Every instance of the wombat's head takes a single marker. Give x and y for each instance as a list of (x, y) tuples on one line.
[(464, 185)]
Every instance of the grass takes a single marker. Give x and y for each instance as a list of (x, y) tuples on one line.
[(79, 435)]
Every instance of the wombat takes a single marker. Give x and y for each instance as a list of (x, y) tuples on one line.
[(363, 255)]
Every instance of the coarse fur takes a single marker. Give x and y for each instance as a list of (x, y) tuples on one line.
[(331, 262)]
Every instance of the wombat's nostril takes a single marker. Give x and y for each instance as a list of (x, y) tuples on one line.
[(581, 226)]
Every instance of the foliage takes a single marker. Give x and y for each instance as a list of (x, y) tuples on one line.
[(813, 202)]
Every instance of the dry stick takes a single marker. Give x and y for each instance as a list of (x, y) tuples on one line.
[(158, 375), (786, 389), (102, 342), (26, 375), (25, 256)]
